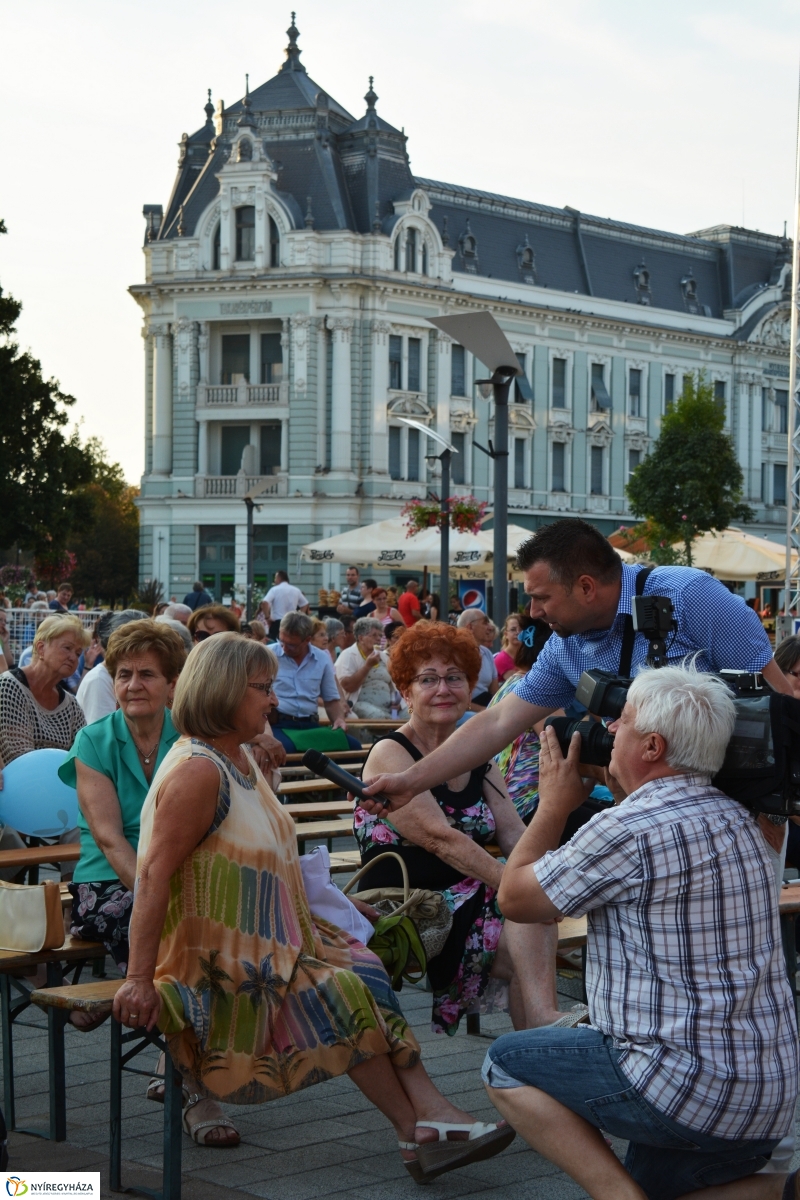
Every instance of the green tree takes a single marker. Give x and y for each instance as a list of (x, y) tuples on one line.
[(43, 466), (106, 544), (692, 481)]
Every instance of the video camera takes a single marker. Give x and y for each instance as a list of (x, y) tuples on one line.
[(762, 762)]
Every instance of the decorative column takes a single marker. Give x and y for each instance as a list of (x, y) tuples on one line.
[(202, 350), (295, 356), (162, 400), (442, 342), (202, 448), (341, 398), (380, 389)]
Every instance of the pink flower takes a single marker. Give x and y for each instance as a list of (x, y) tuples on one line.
[(449, 1011), (491, 933), (382, 833), (359, 818)]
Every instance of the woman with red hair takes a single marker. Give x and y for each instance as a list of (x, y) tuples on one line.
[(441, 836)]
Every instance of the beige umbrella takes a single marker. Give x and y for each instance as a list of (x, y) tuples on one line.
[(732, 554), (386, 544)]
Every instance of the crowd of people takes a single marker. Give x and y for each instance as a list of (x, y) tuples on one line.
[(189, 872)]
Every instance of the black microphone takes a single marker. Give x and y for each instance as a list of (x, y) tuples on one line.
[(320, 764)]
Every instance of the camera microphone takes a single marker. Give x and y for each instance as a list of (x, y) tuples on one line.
[(321, 765)]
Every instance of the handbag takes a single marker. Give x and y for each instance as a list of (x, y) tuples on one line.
[(30, 917), (428, 910)]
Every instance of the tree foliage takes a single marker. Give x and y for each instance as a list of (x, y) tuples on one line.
[(43, 466), (106, 543), (692, 481)]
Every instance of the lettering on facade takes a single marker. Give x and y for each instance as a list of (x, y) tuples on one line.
[(391, 556), (226, 308), (320, 555), (467, 556), (780, 369)]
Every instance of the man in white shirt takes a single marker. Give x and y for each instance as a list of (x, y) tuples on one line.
[(483, 630), (282, 598)]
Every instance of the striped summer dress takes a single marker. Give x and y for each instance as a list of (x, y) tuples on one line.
[(259, 1000)]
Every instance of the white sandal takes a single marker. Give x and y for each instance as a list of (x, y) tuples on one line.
[(199, 1131), (576, 1016), (482, 1141), (411, 1164)]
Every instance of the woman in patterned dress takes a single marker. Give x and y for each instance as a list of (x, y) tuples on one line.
[(255, 997), (441, 835)]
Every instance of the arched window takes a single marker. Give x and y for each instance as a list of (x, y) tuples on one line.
[(245, 233), (245, 150), (274, 244), (424, 257), (215, 253), (397, 253), (411, 250)]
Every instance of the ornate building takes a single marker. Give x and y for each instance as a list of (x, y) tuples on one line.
[(288, 282)]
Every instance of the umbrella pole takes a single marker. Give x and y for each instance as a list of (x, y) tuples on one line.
[(444, 527), (792, 515)]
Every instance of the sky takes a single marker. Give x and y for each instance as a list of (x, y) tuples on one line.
[(678, 116)]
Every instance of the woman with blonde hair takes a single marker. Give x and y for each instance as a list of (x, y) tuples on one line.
[(36, 710), (258, 999)]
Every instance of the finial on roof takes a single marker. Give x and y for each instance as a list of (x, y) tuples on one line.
[(309, 214), (247, 118), (370, 97), (292, 50), (209, 109), (181, 227), (376, 220)]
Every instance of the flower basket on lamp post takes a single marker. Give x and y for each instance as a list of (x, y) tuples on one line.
[(466, 514)]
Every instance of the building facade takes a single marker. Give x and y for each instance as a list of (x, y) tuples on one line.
[(288, 284)]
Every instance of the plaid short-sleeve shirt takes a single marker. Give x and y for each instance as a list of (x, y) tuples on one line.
[(684, 962)]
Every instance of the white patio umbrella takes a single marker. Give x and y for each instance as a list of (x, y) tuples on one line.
[(385, 544), (732, 554)]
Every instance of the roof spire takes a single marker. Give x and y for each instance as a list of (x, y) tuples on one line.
[(309, 222), (292, 51), (209, 109), (247, 118), (370, 97)]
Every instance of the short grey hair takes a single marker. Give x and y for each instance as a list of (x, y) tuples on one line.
[(298, 624), (367, 625), (469, 616), (214, 682), (693, 712), (333, 626), (179, 628), (176, 611)]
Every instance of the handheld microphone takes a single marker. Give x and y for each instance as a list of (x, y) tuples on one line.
[(321, 765)]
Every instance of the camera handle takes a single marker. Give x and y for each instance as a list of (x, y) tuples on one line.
[(629, 633)]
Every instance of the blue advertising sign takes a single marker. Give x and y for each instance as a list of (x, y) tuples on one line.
[(472, 593)]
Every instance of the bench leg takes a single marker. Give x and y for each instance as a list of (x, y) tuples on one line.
[(8, 1052), (474, 1024), (115, 1102), (788, 921), (173, 1104), (56, 1020)]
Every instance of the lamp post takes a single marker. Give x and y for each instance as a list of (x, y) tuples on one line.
[(251, 506), (444, 510), (483, 337)]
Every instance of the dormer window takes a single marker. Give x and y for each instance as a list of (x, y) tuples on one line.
[(689, 289), (527, 261), (274, 244), (411, 250), (641, 280), (245, 233), (245, 150), (215, 250), (468, 245)]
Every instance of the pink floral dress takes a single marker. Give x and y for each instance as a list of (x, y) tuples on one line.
[(459, 976)]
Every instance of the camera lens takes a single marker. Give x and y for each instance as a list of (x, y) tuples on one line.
[(596, 742)]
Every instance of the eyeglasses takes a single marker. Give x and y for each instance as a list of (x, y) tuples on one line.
[(200, 635), (454, 680), (266, 688)]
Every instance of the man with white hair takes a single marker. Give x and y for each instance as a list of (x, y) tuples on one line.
[(484, 630), (691, 1054), (177, 612)]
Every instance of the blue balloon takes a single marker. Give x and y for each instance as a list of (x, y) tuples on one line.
[(34, 801)]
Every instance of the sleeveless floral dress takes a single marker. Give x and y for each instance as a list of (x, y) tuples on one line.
[(459, 976), (258, 999)]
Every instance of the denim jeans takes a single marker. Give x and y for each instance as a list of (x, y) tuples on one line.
[(580, 1068)]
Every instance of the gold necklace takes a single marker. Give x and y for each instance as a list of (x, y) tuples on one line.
[(148, 756)]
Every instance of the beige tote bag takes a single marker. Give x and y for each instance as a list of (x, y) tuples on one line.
[(30, 917)]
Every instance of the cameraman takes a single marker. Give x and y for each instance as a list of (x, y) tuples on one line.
[(579, 586), (692, 1050)]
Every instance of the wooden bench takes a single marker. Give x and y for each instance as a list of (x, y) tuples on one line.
[(323, 808), (300, 772), (345, 860), (97, 999), (294, 787), (341, 756), (308, 831), (72, 956), (30, 858)]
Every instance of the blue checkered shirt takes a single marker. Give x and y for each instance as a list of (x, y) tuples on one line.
[(710, 619), (684, 964)]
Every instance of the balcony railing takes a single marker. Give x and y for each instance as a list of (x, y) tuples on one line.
[(239, 485), (213, 395)]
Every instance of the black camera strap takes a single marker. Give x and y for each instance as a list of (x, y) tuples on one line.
[(629, 633)]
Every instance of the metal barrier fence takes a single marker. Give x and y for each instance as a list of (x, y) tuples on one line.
[(23, 623)]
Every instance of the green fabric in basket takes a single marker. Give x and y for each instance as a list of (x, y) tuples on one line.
[(317, 739)]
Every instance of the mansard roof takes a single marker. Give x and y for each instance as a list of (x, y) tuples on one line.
[(341, 173)]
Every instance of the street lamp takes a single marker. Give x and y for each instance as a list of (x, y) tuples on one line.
[(444, 519), (483, 337), (249, 500)]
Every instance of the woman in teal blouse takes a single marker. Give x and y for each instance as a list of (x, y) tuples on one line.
[(111, 764)]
